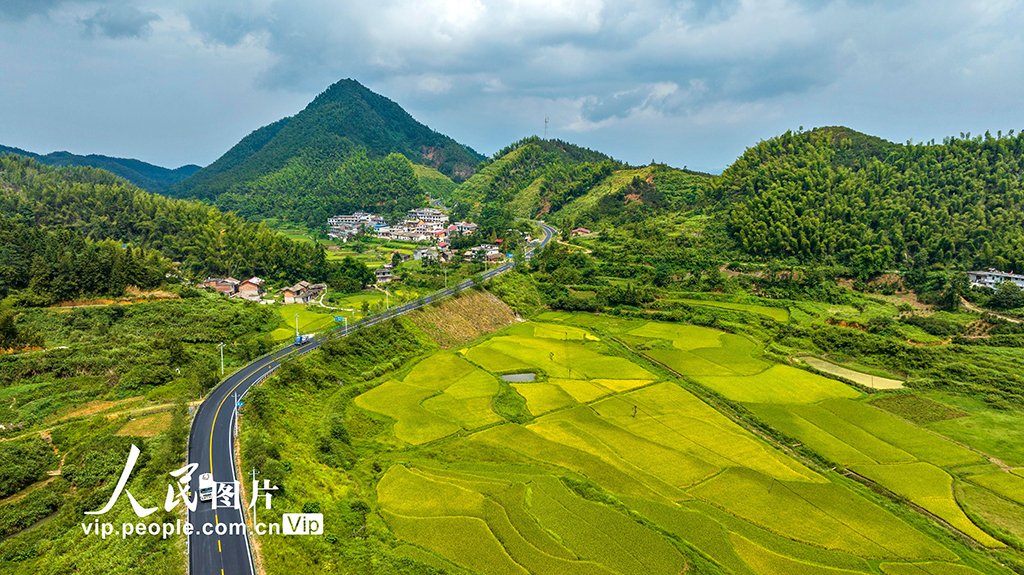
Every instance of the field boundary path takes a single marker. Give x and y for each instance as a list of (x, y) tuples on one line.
[(971, 307), (212, 437)]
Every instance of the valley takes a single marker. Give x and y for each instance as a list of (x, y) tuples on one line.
[(610, 369)]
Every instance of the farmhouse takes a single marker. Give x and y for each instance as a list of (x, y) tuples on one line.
[(384, 274), (251, 289), (579, 232), (302, 292), (991, 278), (226, 285)]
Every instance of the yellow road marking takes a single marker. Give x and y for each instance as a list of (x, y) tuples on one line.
[(216, 413), (218, 547), (215, 520)]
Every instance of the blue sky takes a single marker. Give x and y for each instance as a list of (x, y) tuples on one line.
[(689, 83)]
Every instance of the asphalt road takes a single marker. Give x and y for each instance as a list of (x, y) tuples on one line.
[(212, 438)]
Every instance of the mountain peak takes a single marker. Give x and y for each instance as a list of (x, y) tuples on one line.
[(342, 119)]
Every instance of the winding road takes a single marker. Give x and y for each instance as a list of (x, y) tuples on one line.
[(219, 544)]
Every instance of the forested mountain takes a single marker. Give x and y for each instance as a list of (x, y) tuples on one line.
[(100, 206), (143, 175), (309, 191), (341, 121), (62, 265), (572, 186), (537, 175), (833, 195)]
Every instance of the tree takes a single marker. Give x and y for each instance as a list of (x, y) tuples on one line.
[(1008, 296), (955, 285)]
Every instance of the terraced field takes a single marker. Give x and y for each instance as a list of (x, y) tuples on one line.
[(615, 468), (828, 416), (776, 313)]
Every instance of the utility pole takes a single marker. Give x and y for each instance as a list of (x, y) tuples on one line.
[(221, 346), (252, 496), (346, 324), (296, 325), (545, 127), (445, 277)]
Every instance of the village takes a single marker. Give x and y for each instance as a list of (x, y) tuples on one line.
[(420, 225), (415, 253)]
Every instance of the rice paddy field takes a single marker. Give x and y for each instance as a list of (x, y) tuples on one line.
[(776, 313), (609, 463)]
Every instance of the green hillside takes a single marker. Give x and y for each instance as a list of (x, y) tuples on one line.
[(575, 186), (833, 195), (433, 182), (548, 171), (345, 117), (100, 206), (146, 176)]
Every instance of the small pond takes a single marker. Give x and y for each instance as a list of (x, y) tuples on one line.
[(519, 377)]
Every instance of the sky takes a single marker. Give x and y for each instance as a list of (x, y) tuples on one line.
[(688, 83)]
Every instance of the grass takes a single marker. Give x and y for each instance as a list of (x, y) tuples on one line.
[(995, 431), (147, 426), (864, 379), (778, 384), (931, 488), (309, 320)]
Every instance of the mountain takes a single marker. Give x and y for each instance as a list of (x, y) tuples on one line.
[(345, 119), (833, 195), (146, 176), (99, 206), (514, 175), (577, 186)]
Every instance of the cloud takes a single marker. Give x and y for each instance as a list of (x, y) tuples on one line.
[(629, 76), (22, 9), (120, 21)]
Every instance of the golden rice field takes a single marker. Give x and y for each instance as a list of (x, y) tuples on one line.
[(616, 467)]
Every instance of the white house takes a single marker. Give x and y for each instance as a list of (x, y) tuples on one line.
[(991, 278)]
